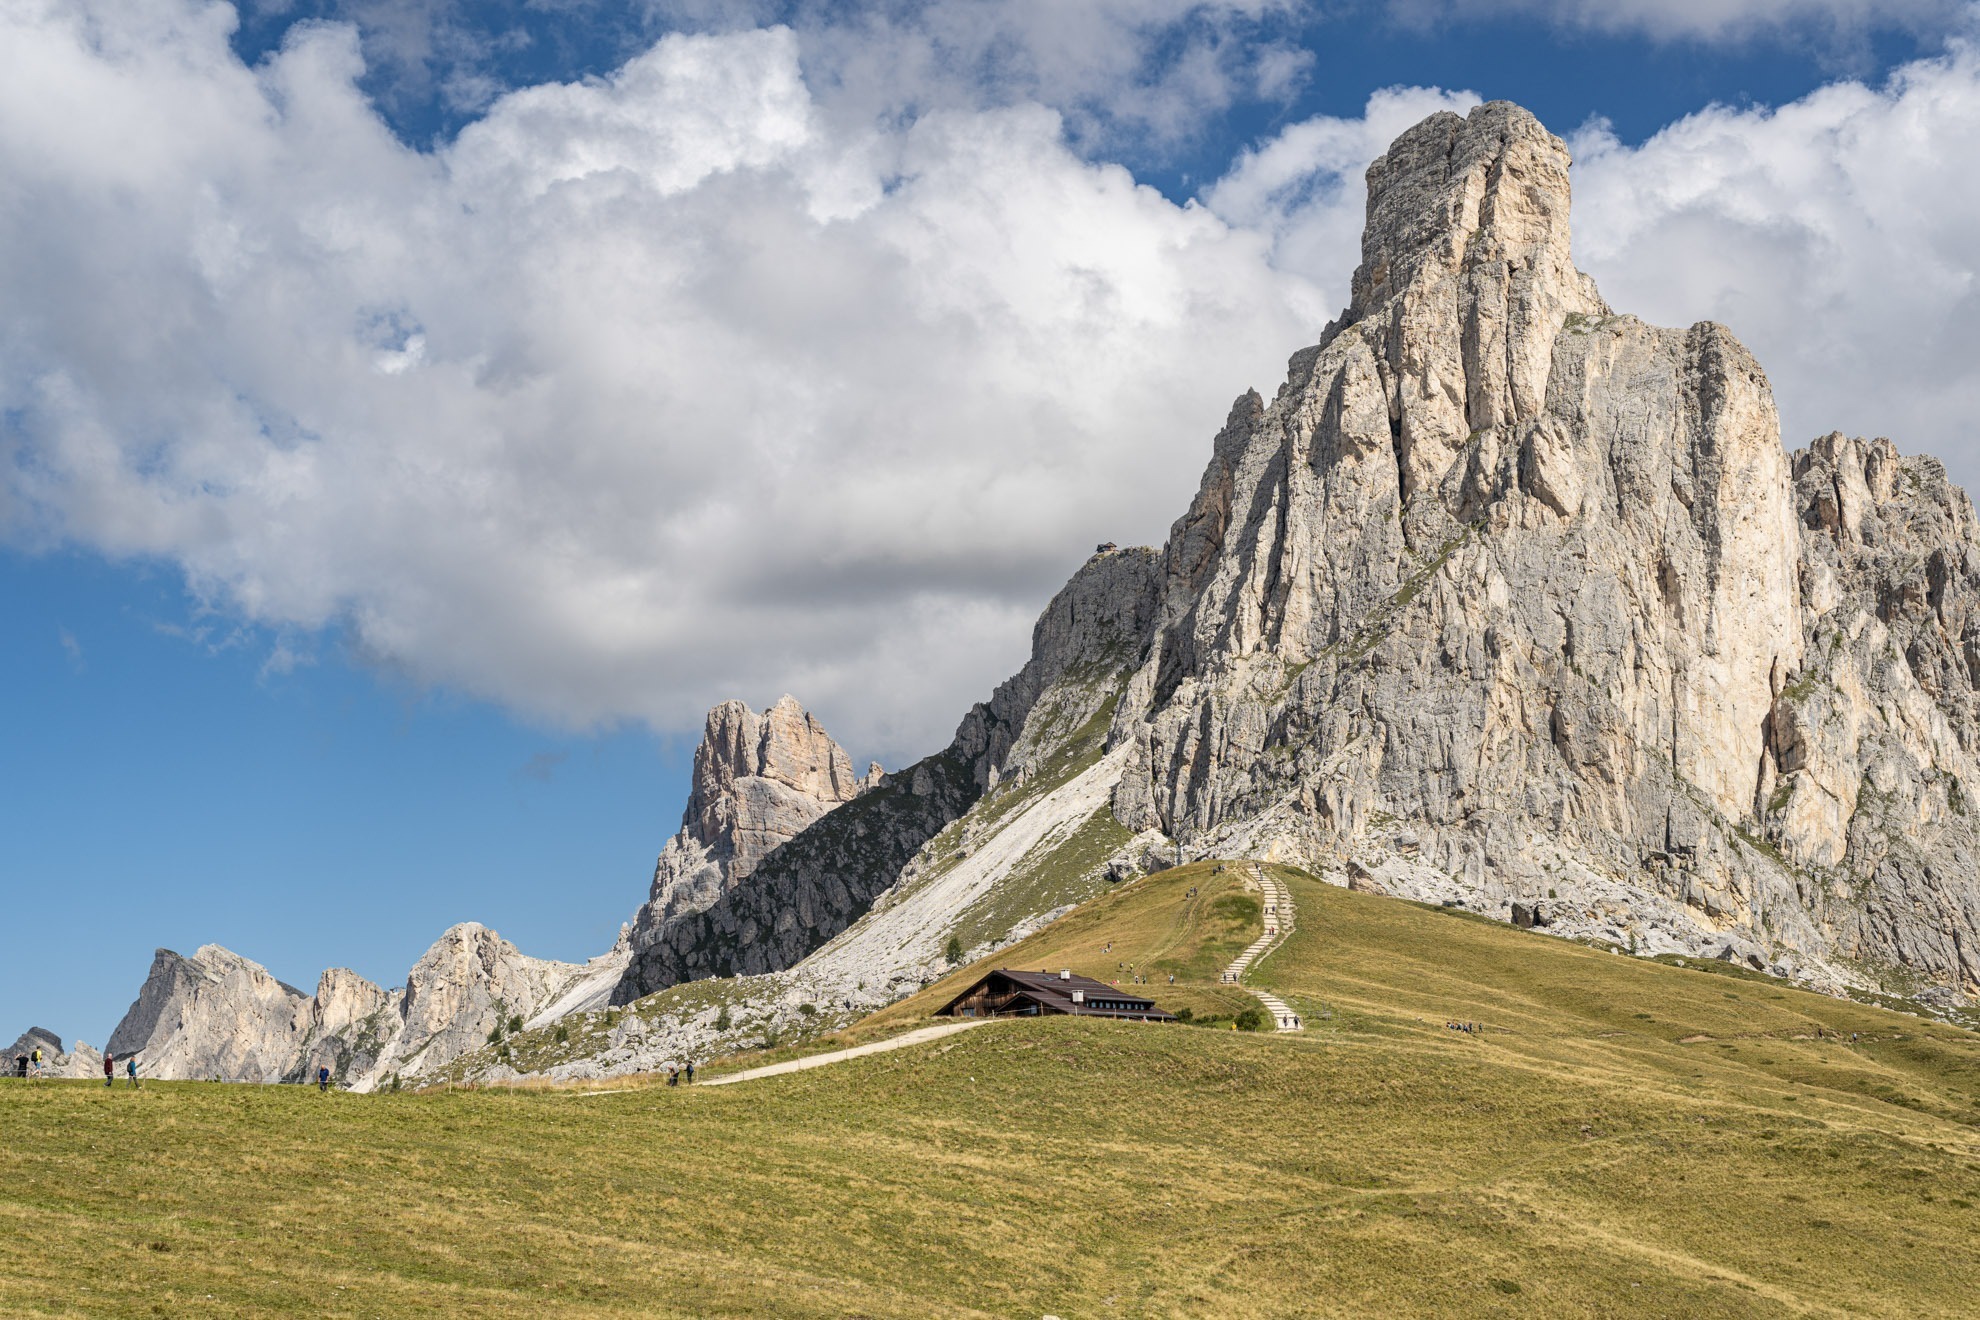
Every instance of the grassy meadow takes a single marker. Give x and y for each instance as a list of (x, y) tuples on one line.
[(1621, 1137)]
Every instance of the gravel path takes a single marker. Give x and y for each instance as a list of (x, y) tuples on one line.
[(919, 1036)]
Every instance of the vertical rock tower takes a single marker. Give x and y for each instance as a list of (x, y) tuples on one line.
[(759, 781), (1508, 596)]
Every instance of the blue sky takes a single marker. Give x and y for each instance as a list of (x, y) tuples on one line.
[(166, 786), (1564, 72), (474, 393)]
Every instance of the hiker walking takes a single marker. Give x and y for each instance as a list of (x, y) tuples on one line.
[(130, 1069), (35, 1061), (20, 1065), (322, 1079), (690, 1072), (109, 1070)]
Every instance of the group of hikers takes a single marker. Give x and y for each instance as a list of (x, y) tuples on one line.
[(674, 1074), (1137, 978), (32, 1065), (1469, 1028)]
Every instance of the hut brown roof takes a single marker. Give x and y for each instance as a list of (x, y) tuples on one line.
[(1012, 993)]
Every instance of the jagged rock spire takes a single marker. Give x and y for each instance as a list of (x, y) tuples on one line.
[(1511, 596), (758, 781), (1466, 276)]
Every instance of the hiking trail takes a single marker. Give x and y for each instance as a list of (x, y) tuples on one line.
[(1278, 925), (916, 1037)]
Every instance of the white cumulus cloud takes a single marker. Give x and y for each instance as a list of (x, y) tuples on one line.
[(645, 392), (1835, 235), (1117, 69), (693, 382)]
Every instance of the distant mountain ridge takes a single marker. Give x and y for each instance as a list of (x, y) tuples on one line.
[(218, 1015)]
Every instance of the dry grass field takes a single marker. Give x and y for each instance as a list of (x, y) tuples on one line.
[(1622, 1137)]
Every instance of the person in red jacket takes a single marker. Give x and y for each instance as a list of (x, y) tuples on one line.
[(109, 1068)]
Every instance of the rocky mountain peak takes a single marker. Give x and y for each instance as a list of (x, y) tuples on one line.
[(344, 998), (213, 1014), (1465, 279), (1491, 186), (1508, 598), (465, 984), (785, 747), (759, 780), (34, 1038), (76, 1060)]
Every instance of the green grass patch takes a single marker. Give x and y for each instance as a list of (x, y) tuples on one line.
[(1623, 1137)]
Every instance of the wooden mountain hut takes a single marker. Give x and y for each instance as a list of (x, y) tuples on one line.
[(1005, 993)]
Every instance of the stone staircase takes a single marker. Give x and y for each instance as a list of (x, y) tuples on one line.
[(1278, 925)]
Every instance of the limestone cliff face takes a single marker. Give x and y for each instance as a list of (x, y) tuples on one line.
[(215, 1014), (1087, 640), (729, 893), (351, 1022), (467, 982), (1870, 782), (1510, 598)]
